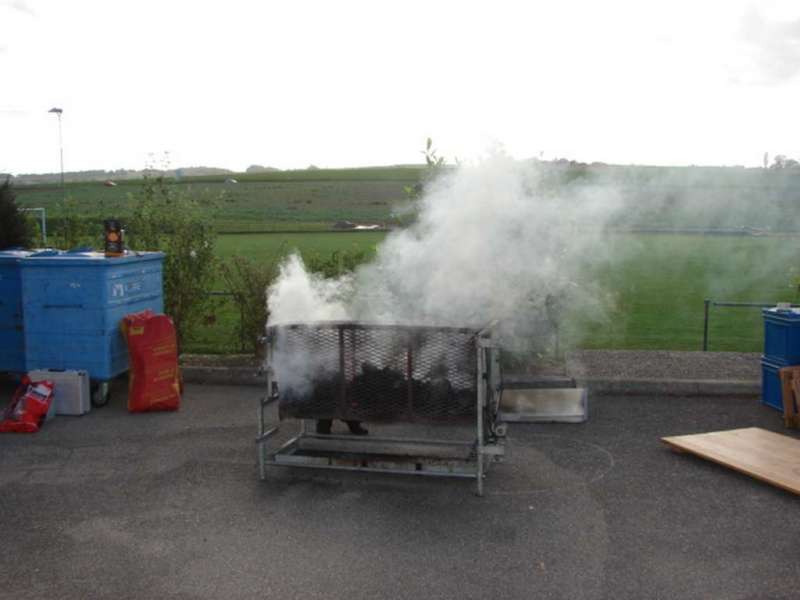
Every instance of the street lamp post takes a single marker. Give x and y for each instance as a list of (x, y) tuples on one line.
[(57, 112)]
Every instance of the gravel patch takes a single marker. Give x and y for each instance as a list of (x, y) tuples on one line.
[(220, 360), (658, 364)]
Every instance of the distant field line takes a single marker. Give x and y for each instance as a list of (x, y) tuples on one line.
[(303, 231)]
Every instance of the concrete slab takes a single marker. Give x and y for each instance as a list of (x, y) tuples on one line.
[(169, 506)]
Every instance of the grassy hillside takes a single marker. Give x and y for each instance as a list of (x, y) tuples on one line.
[(648, 197), (287, 200)]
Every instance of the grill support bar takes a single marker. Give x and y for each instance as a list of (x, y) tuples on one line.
[(480, 413)]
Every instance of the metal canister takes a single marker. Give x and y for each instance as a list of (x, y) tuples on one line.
[(114, 245)]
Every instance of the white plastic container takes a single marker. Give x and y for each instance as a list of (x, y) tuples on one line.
[(71, 394)]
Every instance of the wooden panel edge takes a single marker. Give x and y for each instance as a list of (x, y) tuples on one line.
[(684, 449)]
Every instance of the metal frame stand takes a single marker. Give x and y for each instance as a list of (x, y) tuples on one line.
[(410, 456)]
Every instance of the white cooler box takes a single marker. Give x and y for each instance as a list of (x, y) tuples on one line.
[(71, 394)]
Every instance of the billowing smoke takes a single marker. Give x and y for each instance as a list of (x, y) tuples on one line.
[(492, 242), (301, 296)]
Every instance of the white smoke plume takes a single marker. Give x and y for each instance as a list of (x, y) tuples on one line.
[(302, 296), (492, 242)]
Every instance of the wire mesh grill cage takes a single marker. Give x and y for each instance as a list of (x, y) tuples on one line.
[(377, 373)]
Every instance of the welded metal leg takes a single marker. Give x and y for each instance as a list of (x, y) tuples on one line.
[(479, 487), (481, 402), (260, 441)]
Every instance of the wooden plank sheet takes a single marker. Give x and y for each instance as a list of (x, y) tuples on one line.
[(762, 454)]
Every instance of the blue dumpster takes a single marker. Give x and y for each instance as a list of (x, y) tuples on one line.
[(781, 335), (12, 339), (73, 304), (771, 388)]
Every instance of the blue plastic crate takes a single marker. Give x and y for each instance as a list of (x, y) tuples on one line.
[(771, 389), (74, 302), (781, 335), (12, 339)]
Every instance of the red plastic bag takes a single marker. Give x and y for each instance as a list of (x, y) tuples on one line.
[(28, 407), (154, 378)]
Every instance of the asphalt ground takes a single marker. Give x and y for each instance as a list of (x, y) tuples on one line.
[(113, 505)]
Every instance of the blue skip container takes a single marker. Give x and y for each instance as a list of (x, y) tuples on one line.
[(12, 338), (73, 304), (771, 389), (781, 335)]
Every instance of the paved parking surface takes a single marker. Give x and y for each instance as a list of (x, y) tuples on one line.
[(112, 505)]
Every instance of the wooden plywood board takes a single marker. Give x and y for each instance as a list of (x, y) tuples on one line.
[(762, 454)]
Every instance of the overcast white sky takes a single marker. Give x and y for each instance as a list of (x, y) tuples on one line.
[(348, 83)]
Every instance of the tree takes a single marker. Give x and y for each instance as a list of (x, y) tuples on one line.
[(260, 169), (781, 161), (14, 228)]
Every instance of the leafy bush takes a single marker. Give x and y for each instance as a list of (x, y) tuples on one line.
[(338, 263), (435, 166), (181, 226), (15, 228), (247, 281), (74, 228)]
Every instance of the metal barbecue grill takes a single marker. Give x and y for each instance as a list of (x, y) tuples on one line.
[(383, 374)]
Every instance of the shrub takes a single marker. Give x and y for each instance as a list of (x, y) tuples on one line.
[(247, 281), (338, 263), (74, 228), (181, 226), (15, 228)]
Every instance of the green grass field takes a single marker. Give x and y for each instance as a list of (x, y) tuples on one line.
[(658, 286), (222, 335), (265, 246), (654, 287)]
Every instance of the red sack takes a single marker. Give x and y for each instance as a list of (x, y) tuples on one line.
[(154, 378), (28, 407)]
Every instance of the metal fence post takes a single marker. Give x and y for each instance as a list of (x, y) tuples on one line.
[(707, 304)]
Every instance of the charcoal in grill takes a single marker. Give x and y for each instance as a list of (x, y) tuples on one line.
[(385, 372), (377, 394), (316, 401)]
